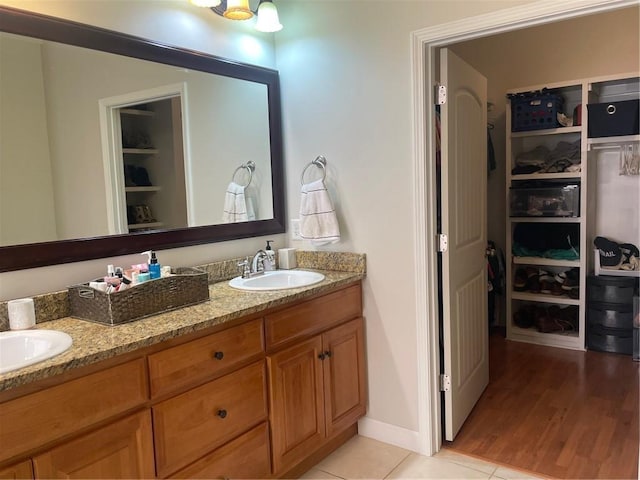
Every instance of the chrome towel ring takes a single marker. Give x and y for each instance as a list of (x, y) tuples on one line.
[(250, 166), (319, 162)]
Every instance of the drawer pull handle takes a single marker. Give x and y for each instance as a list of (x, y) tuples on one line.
[(324, 355), (222, 413), (218, 355)]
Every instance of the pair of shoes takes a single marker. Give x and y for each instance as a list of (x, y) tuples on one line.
[(555, 319)]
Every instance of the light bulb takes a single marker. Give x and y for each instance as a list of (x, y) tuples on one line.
[(268, 20), (238, 10)]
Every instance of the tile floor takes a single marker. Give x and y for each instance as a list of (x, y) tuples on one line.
[(364, 458)]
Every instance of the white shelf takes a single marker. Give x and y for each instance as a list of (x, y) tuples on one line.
[(547, 131), (599, 270), (136, 111), (142, 189), (547, 262), (545, 298), (611, 143), (138, 226), (569, 339), (548, 176), (544, 219), (140, 151)]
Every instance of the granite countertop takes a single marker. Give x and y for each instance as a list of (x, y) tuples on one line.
[(93, 342)]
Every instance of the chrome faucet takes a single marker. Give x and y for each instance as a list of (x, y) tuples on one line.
[(257, 265)]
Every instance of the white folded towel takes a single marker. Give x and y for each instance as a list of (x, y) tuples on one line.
[(318, 221), (236, 207)]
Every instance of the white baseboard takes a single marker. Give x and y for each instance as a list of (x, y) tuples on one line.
[(387, 433)]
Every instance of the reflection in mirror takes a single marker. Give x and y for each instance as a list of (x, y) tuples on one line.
[(167, 139), (113, 144)]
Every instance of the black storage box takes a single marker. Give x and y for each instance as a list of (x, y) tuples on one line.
[(610, 315), (610, 289), (614, 119), (609, 340), (535, 110)]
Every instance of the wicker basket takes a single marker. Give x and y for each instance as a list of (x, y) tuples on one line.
[(186, 286)]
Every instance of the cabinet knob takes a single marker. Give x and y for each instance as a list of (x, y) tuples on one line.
[(322, 356), (222, 413), (218, 355), (328, 354)]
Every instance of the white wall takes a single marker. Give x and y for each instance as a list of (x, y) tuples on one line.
[(26, 182), (345, 71)]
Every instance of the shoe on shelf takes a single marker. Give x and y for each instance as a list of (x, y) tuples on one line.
[(520, 280), (546, 282)]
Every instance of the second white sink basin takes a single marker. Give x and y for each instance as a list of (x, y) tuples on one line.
[(21, 348), (277, 280)]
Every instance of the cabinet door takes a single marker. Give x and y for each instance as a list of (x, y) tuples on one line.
[(123, 449), (344, 375), (19, 470), (296, 402)]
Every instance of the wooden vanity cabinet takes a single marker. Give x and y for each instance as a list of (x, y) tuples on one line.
[(208, 407), (317, 386)]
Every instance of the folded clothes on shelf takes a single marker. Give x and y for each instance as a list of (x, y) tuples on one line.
[(565, 157)]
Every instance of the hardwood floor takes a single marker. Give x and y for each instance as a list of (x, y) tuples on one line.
[(556, 412)]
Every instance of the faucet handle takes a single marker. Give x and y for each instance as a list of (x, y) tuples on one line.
[(244, 268)]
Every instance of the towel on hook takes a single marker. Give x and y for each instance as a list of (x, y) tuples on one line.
[(237, 206), (318, 221)]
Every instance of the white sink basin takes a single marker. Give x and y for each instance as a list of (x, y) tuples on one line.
[(277, 280), (25, 347)]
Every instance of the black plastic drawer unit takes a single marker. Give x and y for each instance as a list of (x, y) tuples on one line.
[(610, 289), (610, 340), (610, 315)]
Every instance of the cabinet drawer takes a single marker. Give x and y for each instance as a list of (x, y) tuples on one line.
[(313, 316), (245, 457), (194, 423), (36, 419), (204, 358)]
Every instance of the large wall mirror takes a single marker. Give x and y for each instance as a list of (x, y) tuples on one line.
[(112, 144)]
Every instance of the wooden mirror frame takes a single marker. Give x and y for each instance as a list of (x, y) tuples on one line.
[(18, 257)]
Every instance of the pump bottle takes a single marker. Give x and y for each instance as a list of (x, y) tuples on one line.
[(154, 266)]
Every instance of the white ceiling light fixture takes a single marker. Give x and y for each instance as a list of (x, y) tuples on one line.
[(267, 13)]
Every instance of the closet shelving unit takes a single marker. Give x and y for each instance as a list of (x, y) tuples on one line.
[(135, 121), (591, 220)]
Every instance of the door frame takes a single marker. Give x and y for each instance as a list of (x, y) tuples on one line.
[(424, 44)]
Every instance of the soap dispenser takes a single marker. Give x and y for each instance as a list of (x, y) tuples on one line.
[(154, 266), (270, 262)]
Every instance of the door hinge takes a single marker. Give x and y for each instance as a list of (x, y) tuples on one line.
[(441, 94), (443, 242), (445, 383)]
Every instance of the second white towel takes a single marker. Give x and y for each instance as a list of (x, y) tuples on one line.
[(318, 220), (237, 207)]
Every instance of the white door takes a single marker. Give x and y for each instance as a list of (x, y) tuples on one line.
[(464, 220)]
